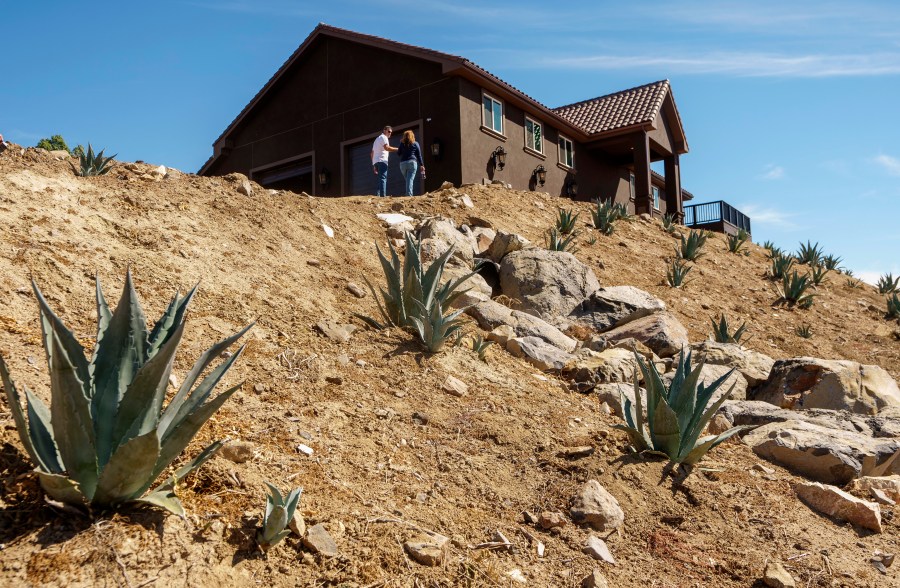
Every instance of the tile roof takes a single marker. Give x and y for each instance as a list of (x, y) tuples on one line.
[(627, 108)]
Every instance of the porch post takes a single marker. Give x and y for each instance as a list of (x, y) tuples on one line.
[(643, 199), (674, 205)]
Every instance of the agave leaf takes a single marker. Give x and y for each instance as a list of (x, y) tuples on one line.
[(165, 499), (185, 470), (664, 432), (103, 318), (276, 520), (705, 444), (637, 439), (165, 327), (70, 416), (15, 406), (50, 325), (370, 321), (41, 433), (392, 276), (62, 488), (291, 502), (700, 420), (432, 278), (125, 476), (639, 421)]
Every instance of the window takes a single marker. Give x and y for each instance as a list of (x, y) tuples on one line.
[(655, 191), (631, 186), (566, 152), (534, 135), (493, 113)]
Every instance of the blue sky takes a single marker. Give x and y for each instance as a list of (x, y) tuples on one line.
[(790, 108)]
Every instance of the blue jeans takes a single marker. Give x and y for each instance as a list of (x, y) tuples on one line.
[(408, 169), (381, 173)]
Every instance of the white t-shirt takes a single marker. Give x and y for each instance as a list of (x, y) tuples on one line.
[(379, 153)]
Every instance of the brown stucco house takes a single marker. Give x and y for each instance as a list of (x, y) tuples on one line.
[(311, 127)]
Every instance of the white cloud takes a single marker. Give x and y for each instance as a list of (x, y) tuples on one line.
[(890, 164), (771, 217), (773, 172)]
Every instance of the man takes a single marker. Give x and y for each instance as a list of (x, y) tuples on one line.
[(380, 150)]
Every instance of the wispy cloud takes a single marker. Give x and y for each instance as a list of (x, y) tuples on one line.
[(767, 216), (890, 164), (772, 172), (740, 64)]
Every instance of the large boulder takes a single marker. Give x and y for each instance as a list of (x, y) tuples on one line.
[(546, 283), (754, 366), (756, 413), (616, 305), (490, 315), (823, 454), (807, 382), (606, 367), (661, 332), (439, 234)]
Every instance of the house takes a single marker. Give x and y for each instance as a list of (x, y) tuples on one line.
[(311, 127)]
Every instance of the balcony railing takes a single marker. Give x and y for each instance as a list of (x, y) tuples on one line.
[(714, 215)]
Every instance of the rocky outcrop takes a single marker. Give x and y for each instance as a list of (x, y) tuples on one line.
[(490, 315), (754, 412), (613, 306), (660, 331), (754, 366), (807, 382), (546, 283)]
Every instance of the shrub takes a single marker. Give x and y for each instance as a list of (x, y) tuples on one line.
[(888, 284), (676, 414), (735, 242), (605, 216), (54, 143), (893, 306), (559, 242), (809, 254), (91, 164), (106, 436), (279, 512), (793, 290), (677, 272), (780, 266), (804, 331), (415, 299), (831, 262), (691, 246), (565, 221), (817, 273), (721, 331)]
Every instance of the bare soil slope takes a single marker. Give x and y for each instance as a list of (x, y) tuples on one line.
[(392, 451)]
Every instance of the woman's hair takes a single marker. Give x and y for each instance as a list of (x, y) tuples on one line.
[(409, 137)]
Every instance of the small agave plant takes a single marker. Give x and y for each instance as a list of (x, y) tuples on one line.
[(279, 512), (106, 436), (91, 164), (675, 414)]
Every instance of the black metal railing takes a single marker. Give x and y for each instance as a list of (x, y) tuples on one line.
[(715, 212)]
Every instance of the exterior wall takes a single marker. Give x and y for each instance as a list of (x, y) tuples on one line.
[(317, 105)]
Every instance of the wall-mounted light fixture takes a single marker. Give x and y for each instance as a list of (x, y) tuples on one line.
[(324, 176), (539, 174), (499, 157), (436, 148), (572, 188)]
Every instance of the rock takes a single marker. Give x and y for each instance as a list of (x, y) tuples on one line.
[(776, 576), (548, 520), (446, 185), (718, 425), (661, 332), (467, 201), (356, 290), (392, 218), (539, 353), (611, 394), (319, 541), (754, 366), (478, 288), (428, 549), (546, 283), (298, 524), (807, 382), (594, 580), (245, 187), (613, 306), (505, 243), (238, 451), (596, 548), (753, 412), (313, 262), (579, 452), (609, 366), (596, 507), (887, 485), (823, 454), (475, 221), (399, 230), (443, 230), (336, 331), (454, 387), (836, 503), (491, 315), (501, 335), (483, 239), (329, 232)]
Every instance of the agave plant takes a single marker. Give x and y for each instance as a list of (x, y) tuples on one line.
[(817, 274), (480, 346), (722, 334), (793, 289), (279, 512), (735, 242), (691, 246), (433, 327), (91, 164), (804, 331), (669, 223), (605, 216), (677, 272), (831, 262), (893, 306), (777, 252), (781, 265), (888, 284), (769, 245), (560, 242), (565, 221), (810, 254), (676, 414), (106, 437)]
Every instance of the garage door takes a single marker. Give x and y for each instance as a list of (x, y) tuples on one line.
[(362, 180)]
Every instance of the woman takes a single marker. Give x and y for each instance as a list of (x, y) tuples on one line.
[(410, 160)]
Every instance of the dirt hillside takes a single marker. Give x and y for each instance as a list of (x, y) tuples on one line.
[(392, 452)]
